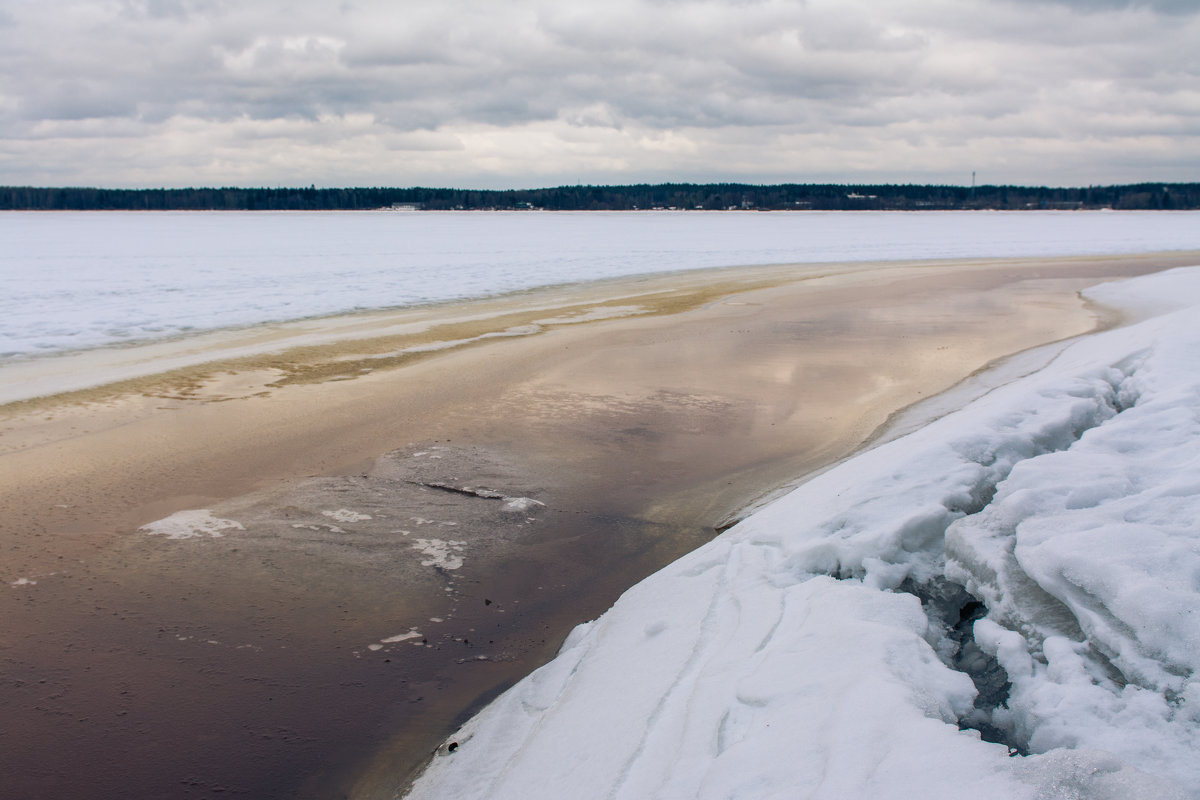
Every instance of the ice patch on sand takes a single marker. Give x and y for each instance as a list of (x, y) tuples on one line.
[(330, 528), (424, 521), (521, 503), (190, 524), (346, 515), (413, 633), (23, 582), (440, 553)]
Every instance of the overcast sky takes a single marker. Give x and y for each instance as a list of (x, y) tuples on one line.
[(524, 93)]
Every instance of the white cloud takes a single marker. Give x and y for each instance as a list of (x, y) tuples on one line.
[(465, 92), (294, 58)]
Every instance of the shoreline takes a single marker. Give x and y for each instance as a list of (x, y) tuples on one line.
[(122, 367), (635, 433)]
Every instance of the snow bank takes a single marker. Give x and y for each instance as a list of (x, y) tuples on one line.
[(1028, 567)]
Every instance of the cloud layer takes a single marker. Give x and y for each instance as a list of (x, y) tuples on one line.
[(532, 92)]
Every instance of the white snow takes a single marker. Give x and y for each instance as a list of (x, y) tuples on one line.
[(190, 524), (77, 280), (790, 657)]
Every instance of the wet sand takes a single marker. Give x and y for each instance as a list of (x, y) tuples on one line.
[(426, 502)]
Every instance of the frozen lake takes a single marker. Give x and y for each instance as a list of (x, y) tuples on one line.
[(77, 280)]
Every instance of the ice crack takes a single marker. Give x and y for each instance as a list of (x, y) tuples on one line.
[(515, 504), (953, 612), (954, 552)]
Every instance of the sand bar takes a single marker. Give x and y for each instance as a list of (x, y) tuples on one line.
[(405, 512)]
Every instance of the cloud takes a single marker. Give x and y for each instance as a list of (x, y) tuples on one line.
[(466, 92), (1100, 6)]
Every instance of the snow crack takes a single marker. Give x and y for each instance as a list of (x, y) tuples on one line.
[(920, 550), (953, 612)]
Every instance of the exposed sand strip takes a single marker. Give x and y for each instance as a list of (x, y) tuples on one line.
[(407, 511)]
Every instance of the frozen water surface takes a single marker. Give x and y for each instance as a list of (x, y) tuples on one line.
[(75, 280), (1003, 603)]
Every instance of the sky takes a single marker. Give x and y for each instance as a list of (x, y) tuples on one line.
[(530, 93)]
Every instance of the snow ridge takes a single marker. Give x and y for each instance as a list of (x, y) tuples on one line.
[(793, 656)]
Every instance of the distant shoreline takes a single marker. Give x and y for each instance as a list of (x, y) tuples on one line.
[(633, 197)]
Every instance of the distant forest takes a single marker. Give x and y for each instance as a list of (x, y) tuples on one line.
[(790, 196)]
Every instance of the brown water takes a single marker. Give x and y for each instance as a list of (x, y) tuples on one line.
[(206, 669)]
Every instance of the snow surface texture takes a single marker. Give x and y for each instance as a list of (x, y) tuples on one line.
[(77, 280), (823, 647)]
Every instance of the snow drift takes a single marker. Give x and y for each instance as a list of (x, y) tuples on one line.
[(1005, 602)]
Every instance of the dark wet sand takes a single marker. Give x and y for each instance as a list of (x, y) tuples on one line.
[(254, 664)]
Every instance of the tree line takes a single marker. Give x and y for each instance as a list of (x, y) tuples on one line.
[(721, 196)]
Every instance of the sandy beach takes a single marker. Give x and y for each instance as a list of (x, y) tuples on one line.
[(408, 511)]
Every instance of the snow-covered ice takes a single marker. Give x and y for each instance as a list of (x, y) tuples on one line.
[(78, 280), (1027, 566)]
